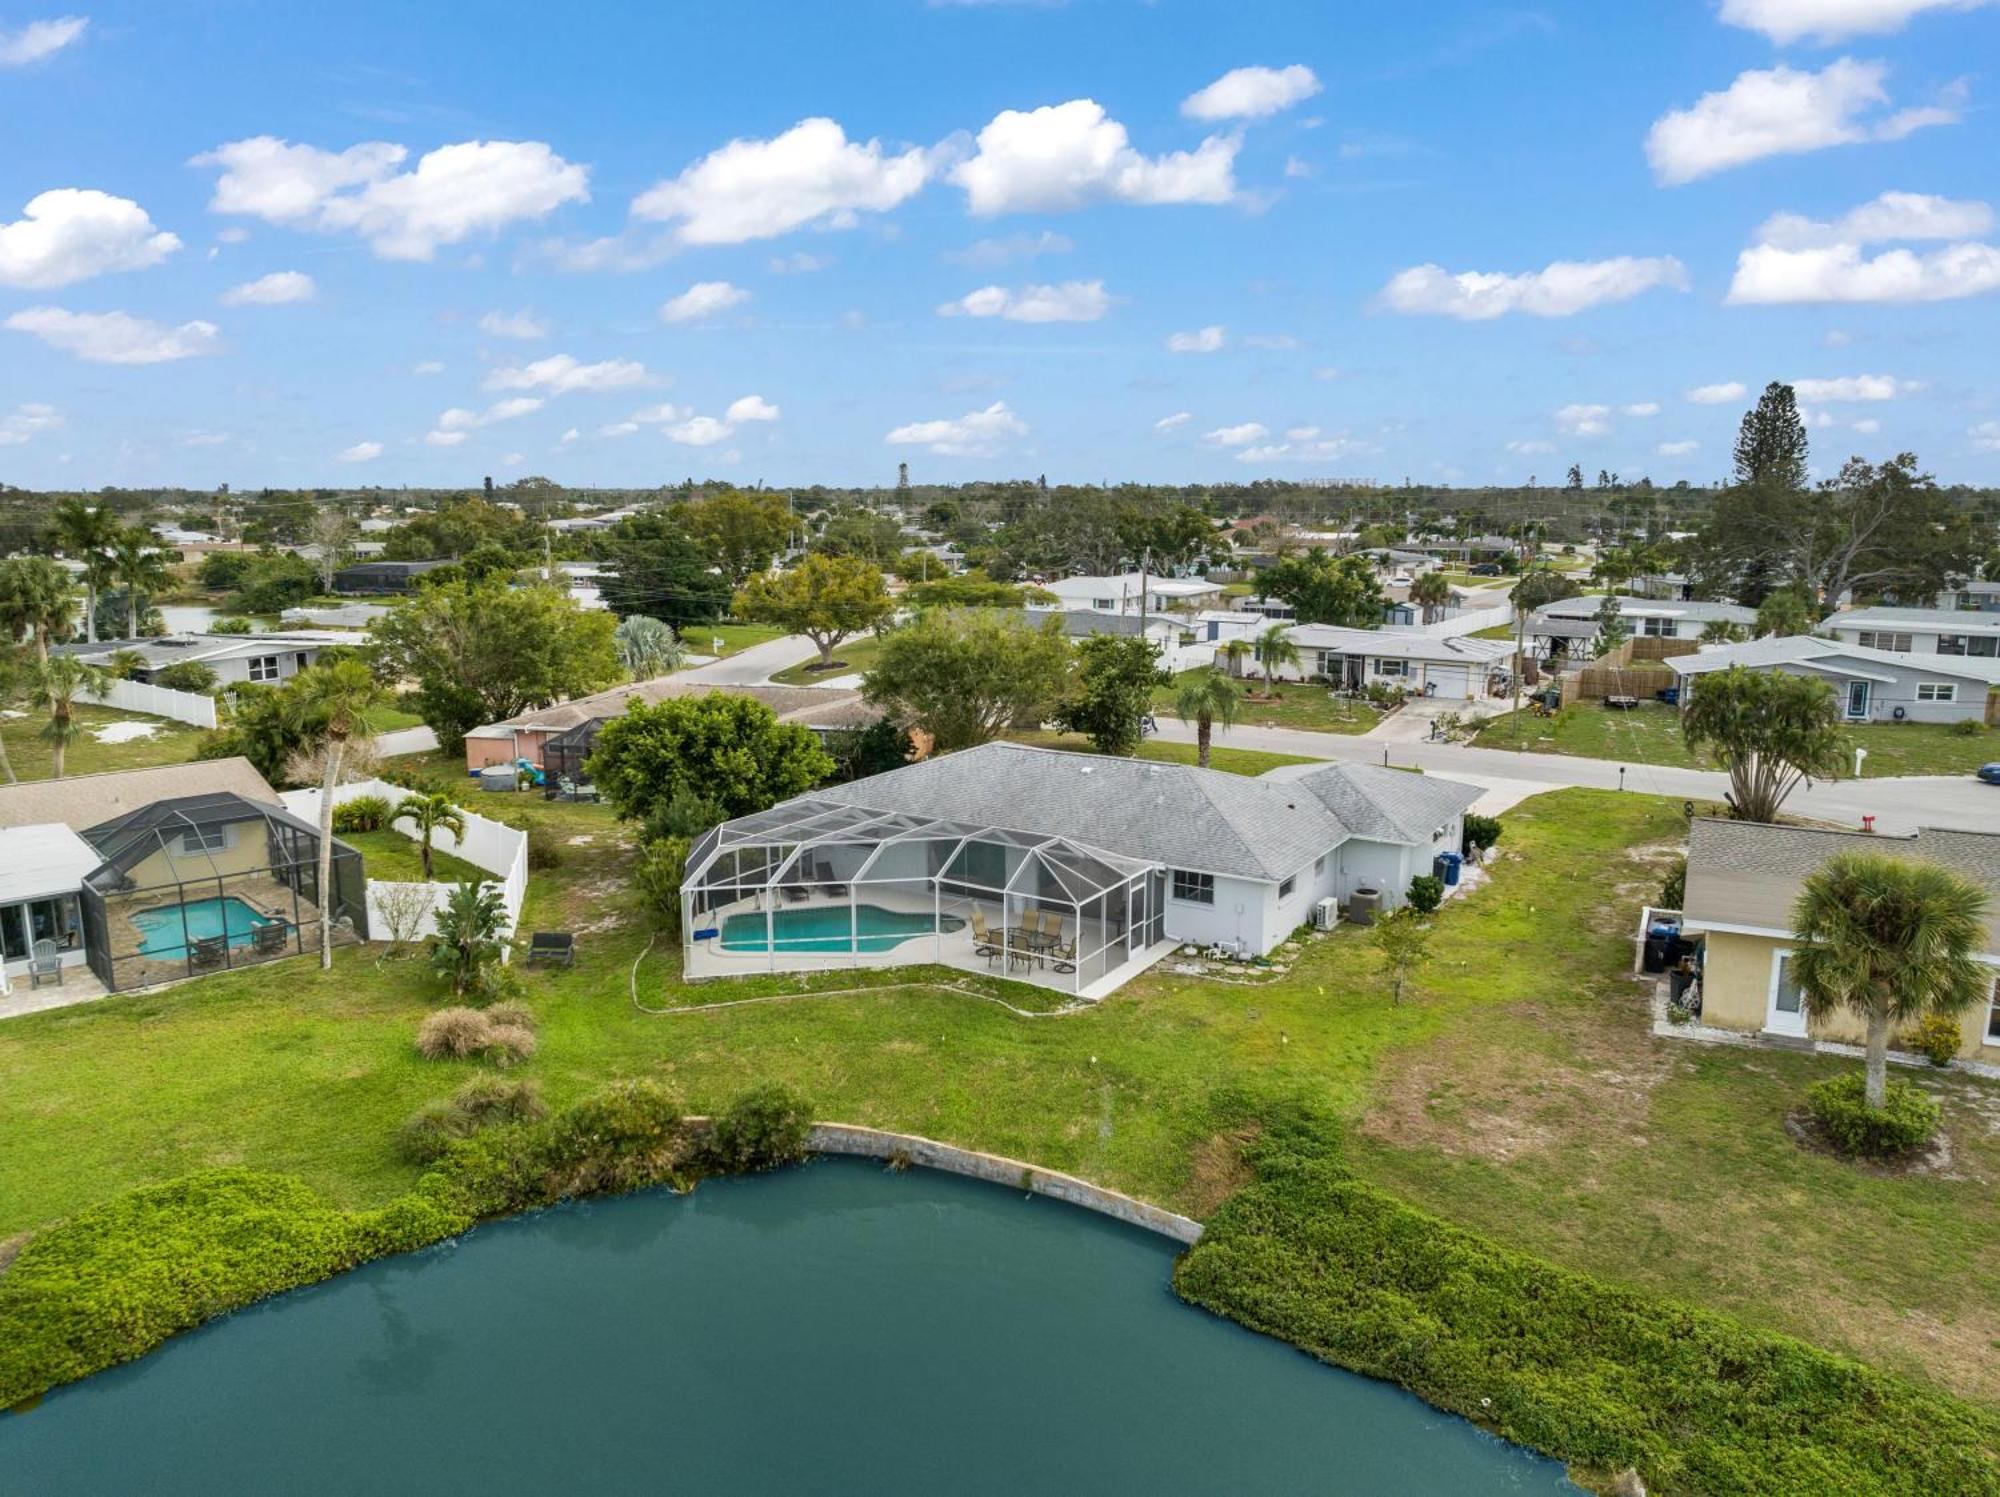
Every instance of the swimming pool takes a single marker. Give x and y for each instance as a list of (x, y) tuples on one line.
[(160, 930), (825, 928)]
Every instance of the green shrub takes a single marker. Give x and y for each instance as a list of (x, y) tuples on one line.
[(1967, 727), (508, 1044), (453, 1034), (545, 849), (1936, 1038), (186, 675), (232, 623), (483, 1102), (1905, 1121), (1481, 832), (361, 813), (1673, 888), (428, 1132), (1426, 893), (1596, 1375), (764, 1128)]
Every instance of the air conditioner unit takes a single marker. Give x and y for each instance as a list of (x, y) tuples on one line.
[(1326, 914)]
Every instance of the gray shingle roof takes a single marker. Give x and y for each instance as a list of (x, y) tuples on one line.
[(1829, 655), (1388, 805), (807, 706), (1946, 620), (80, 801)]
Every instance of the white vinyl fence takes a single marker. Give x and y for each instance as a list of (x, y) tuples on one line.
[(497, 848), (1457, 625), (161, 701)]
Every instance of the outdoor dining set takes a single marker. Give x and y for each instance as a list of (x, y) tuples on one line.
[(1037, 940)]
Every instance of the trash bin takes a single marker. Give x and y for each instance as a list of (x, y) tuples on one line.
[(1450, 863)]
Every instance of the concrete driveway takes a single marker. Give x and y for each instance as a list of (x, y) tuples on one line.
[(756, 665)]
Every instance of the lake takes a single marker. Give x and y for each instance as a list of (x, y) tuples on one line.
[(833, 1328)]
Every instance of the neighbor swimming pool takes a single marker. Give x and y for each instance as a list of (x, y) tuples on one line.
[(162, 935), (825, 928)]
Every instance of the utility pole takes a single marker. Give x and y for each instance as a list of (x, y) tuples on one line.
[(1145, 566), (1520, 646)]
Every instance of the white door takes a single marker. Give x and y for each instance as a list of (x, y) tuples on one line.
[(1857, 700), (1786, 1013)]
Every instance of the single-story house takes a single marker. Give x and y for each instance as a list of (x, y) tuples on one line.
[(1980, 594), (823, 709), (1742, 881), (235, 658), (1872, 685), (383, 576), (1120, 594), (1573, 619), (1175, 640), (1217, 626), (1969, 637), (1077, 871), (1442, 666), (150, 875), (1671, 587)]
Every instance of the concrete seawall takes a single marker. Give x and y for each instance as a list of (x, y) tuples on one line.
[(876, 1143)]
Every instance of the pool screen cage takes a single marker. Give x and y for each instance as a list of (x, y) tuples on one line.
[(563, 756), (815, 883), (203, 883)]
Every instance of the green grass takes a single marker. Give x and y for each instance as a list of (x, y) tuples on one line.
[(851, 657), (1228, 760), (735, 637), (1298, 706), (1651, 734), (392, 856), (1497, 631), (170, 743)]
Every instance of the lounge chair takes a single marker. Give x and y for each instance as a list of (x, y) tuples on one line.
[(208, 952), (273, 939), (45, 965), (795, 892), (552, 946)]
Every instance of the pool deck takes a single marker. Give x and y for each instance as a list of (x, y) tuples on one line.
[(79, 985)]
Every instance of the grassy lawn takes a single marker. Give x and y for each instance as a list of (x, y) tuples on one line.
[(1515, 1091), (851, 657), (169, 743), (1298, 706), (392, 856), (1228, 760), (1651, 734), (701, 638)]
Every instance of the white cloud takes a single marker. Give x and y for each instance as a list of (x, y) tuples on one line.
[(1677, 449), (699, 431), (273, 290), (1562, 290), (428, 366), (1178, 418), (1584, 420), (1767, 274), (203, 439), (444, 438), (1643, 408), (1853, 387), (523, 324), (758, 189), (73, 233), (1780, 112), (1986, 436), (1236, 436), (1072, 301), (659, 415), (1530, 446), (39, 39), (618, 429), (454, 425), (1868, 426), (1064, 156), (975, 434), (1298, 166), (455, 191), (750, 408), (1320, 449), (1251, 93), (1787, 21), (115, 337), (1718, 394), (703, 299), (1892, 216), (984, 254), (623, 252), (1301, 433), (360, 452), (561, 374), (1201, 340), (569, 437), (799, 263), (28, 422)]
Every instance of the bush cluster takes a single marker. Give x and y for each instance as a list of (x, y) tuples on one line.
[(482, 1102), (502, 1033), (1906, 1120), (1601, 1377), (1968, 727), (763, 1129), (1481, 832), (361, 813), (1426, 893), (1936, 1038)]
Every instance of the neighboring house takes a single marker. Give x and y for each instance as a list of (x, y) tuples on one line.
[(1120, 594), (1671, 587), (1573, 620), (1872, 685), (1177, 641), (1129, 856), (1442, 666), (1744, 877), (1217, 626), (603, 521), (150, 875), (823, 709), (383, 576), (1964, 636), (1980, 594), (235, 658), (342, 616)]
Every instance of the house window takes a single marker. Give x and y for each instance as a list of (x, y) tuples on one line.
[(1951, 644), (1877, 639), (1657, 628), (1194, 888), (1285, 889), (1937, 691), (1104, 605), (204, 839), (1993, 1016), (1392, 667), (263, 667)]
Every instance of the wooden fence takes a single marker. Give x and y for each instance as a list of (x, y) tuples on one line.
[(1618, 674)]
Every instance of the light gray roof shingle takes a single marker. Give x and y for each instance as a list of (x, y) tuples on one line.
[(1388, 805), (80, 801)]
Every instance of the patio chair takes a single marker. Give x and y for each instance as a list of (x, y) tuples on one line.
[(1062, 957), (983, 943), (796, 893), (1031, 922), (45, 965), (273, 939), (552, 946), (207, 952), (1052, 929)]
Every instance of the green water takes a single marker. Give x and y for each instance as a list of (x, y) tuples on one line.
[(826, 928), (829, 1329)]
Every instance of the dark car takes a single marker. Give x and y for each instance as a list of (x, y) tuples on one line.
[(1990, 773)]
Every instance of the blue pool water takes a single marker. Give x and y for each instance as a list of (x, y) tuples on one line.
[(825, 928), (160, 931)]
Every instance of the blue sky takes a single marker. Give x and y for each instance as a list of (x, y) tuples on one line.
[(1098, 240)]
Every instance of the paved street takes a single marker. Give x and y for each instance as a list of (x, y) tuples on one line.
[(755, 665)]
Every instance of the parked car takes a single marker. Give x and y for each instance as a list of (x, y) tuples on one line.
[(1401, 579), (1990, 773), (1486, 569)]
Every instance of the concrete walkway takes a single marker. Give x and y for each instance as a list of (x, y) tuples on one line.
[(405, 741)]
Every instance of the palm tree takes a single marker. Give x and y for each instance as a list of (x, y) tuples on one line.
[(36, 599), (54, 685), (1275, 651), (336, 703), (14, 671), (141, 567), (85, 532), (430, 813), (1234, 652), (1892, 941), (1432, 592), (648, 647), (1721, 632), (1205, 698)]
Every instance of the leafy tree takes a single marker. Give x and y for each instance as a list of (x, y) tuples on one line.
[(36, 599), (331, 705), (1206, 698), (84, 532), (730, 750), (1275, 651), (488, 560), (860, 534), (333, 533), (466, 943), (859, 753), (973, 589), (740, 533), (648, 647), (1432, 593), (1771, 447), (658, 570), (1786, 611), (1612, 627), (1540, 586), (458, 527), (1891, 940), (223, 571), (479, 654), (54, 684), (430, 813), (1326, 589), (1112, 691), (273, 583), (825, 598), (1770, 730), (657, 875), (1404, 943), (963, 676)]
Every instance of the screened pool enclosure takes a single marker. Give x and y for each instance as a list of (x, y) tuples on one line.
[(203, 883), (815, 883)]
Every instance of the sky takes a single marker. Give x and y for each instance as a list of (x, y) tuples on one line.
[(1100, 241)]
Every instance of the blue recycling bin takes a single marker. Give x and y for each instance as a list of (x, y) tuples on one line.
[(1449, 864)]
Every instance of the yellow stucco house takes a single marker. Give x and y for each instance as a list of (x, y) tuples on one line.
[(1742, 881)]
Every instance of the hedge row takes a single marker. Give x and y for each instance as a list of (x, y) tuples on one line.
[(1601, 1378), (113, 1282)]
